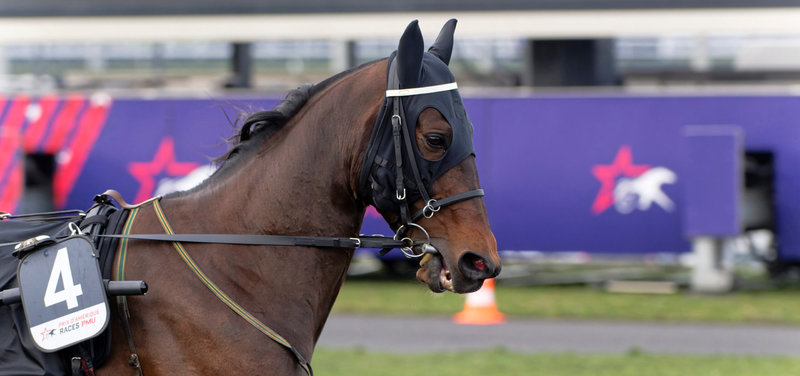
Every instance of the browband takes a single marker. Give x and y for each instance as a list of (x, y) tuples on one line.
[(421, 90)]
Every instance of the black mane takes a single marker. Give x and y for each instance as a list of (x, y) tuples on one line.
[(264, 124)]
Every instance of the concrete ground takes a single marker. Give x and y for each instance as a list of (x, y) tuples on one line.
[(424, 334)]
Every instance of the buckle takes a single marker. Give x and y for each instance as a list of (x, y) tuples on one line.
[(409, 244), (30, 244), (430, 209)]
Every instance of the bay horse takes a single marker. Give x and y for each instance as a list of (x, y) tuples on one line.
[(303, 169)]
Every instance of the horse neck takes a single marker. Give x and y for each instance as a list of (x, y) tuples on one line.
[(303, 181)]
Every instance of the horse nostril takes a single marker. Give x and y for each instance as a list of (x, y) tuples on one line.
[(479, 264), (473, 266)]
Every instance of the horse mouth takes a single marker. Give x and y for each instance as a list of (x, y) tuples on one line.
[(434, 272)]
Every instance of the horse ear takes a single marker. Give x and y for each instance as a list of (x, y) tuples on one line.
[(443, 46), (409, 56)]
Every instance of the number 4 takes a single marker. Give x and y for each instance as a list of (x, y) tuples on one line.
[(61, 270)]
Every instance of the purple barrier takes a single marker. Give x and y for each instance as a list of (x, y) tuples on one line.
[(147, 144), (713, 181), (595, 174), (561, 173)]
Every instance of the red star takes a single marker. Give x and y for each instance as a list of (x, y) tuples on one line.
[(44, 334), (163, 163), (608, 174)]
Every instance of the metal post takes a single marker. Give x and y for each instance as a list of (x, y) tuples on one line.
[(572, 62), (343, 55), (241, 65), (95, 61), (4, 66), (712, 273)]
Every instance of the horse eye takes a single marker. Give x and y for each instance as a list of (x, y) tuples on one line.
[(436, 141)]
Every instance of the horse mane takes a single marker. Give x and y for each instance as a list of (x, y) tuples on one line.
[(259, 126), (264, 124)]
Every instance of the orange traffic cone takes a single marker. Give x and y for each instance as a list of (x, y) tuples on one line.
[(480, 308)]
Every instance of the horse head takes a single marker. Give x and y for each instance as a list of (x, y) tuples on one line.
[(437, 167)]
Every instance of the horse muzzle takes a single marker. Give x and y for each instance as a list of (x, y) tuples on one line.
[(471, 271)]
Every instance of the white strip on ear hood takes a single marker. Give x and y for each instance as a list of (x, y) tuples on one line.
[(421, 90)]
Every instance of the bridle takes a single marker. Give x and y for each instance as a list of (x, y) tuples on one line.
[(403, 141)]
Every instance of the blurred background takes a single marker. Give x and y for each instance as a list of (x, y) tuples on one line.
[(639, 156)]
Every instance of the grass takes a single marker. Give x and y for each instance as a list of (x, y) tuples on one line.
[(330, 362), (577, 302)]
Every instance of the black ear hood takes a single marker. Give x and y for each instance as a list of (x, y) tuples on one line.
[(420, 80)]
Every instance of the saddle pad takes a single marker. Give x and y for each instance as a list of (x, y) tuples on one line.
[(62, 293), (18, 353)]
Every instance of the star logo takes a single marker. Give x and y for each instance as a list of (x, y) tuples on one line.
[(622, 166), (163, 163), (45, 332)]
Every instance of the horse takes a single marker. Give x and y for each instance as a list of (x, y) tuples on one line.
[(306, 168)]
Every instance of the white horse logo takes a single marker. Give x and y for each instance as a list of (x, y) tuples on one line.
[(642, 191)]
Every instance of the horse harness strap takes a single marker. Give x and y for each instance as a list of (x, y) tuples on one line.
[(433, 206), (272, 240), (221, 295)]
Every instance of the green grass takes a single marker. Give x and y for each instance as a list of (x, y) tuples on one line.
[(329, 362), (577, 302)]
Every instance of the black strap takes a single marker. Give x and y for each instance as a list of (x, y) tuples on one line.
[(275, 240), (45, 216), (400, 190), (99, 219), (435, 205), (398, 119), (124, 314), (410, 151)]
